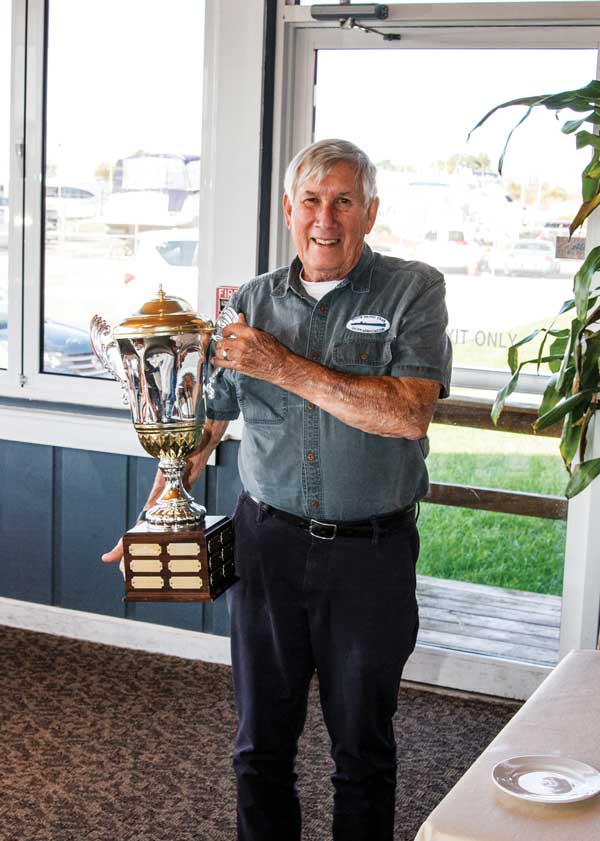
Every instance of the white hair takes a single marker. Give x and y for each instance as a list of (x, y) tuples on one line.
[(318, 159)]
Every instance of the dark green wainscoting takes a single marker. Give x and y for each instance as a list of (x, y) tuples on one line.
[(61, 508)]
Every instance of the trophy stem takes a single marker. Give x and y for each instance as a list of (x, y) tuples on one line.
[(175, 507)]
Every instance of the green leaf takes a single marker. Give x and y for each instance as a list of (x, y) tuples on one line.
[(582, 476), (591, 360), (568, 354), (570, 303), (561, 409), (551, 396), (525, 100), (513, 353), (510, 134), (503, 395), (572, 125), (586, 138), (549, 331), (569, 440), (557, 346), (583, 281)]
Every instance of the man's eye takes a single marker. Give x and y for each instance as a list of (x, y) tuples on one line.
[(310, 200), (344, 200)]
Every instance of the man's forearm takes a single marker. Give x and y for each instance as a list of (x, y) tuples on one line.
[(388, 406), (197, 461)]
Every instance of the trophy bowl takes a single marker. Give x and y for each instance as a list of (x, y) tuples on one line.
[(160, 356)]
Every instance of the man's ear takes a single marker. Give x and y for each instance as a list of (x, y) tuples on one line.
[(372, 213), (287, 210)]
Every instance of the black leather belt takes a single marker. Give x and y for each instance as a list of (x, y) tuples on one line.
[(346, 528)]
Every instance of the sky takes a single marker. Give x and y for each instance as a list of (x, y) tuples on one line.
[(122, 75), (370, 96)]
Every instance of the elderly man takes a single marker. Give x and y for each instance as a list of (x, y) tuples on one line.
[(336, 364)]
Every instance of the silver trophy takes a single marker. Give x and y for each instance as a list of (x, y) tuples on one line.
[(159, 355)]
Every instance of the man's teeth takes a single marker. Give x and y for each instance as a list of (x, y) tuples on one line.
[(325, 241)]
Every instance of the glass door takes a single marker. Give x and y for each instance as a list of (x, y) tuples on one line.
[(490, 584)]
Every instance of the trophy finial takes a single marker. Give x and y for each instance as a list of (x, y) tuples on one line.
[(161, 293)]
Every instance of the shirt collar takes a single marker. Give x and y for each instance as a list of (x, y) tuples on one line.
[(359, 278)]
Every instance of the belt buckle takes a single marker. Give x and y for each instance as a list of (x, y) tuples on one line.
[(322, 526)]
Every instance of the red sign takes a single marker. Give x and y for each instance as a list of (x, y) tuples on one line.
[(224, 296)]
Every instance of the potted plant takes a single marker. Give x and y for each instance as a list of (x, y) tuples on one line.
[(573, 353)]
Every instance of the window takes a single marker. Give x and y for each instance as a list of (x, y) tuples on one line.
[(410, 104), (442, 199), (122, 167)]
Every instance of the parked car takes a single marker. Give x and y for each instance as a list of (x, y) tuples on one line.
[(70, 201), (67, 349), (531, 257), (450, 251), (167, 257)]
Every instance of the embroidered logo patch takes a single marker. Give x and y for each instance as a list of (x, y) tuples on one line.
[(368, 324)]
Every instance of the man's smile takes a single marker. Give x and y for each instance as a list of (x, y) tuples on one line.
[(325, 242)]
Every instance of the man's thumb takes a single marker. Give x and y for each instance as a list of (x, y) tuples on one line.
[(114, 555)]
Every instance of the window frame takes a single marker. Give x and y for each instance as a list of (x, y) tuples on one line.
[(10, 378)]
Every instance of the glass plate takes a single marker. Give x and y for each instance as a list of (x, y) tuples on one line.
[(547, 779)]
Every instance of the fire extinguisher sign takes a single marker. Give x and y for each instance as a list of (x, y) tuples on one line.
[(224, 296)]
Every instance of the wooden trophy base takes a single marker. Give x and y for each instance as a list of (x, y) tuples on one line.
[(179, 566)]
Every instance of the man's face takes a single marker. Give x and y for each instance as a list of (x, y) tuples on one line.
[(329, 221)]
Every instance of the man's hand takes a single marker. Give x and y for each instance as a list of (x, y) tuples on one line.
[(115, 555), (250, 351), (212, 434)]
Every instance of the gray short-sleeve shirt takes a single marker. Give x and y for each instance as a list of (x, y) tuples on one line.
[(387, 318)]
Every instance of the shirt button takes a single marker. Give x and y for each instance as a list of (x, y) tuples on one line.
[(310, 456), (310, 405), (314, 503), (322, 309), (364, 356), (314, 356)]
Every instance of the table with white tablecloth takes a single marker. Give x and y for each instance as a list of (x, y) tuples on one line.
[(561, 719)]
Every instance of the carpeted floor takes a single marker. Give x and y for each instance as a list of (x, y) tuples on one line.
[(105, 744)]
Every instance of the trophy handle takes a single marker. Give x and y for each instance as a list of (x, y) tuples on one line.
[(227, 316), (106, 350)]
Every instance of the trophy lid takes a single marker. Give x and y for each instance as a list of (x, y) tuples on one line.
[(163, 315)]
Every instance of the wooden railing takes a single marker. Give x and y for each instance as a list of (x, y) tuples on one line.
[(474, 413)]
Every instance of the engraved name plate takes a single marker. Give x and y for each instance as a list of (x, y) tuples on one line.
[(185, 549), (184, 565), (145, 549), (146, 565), (147, 582), (185, 582)]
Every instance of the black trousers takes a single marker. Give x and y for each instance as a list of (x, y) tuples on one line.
[(347, 609)]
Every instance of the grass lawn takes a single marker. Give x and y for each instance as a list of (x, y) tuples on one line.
[(504, 550)]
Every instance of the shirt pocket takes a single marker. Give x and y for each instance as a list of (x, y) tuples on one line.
[(363, 356), (261, 402)]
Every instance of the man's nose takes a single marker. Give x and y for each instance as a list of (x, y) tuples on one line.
[(326, 214)]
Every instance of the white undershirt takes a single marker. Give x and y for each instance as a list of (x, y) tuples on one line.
[(317, 289)]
